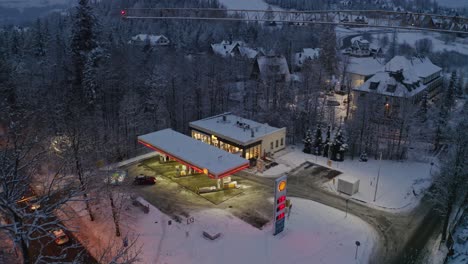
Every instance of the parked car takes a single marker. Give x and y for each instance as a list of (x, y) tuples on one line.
[(144, 180), (60, 237)]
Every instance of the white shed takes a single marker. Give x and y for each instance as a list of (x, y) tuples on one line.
[(348, 185)]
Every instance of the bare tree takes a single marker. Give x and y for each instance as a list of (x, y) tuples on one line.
[(450, 186)]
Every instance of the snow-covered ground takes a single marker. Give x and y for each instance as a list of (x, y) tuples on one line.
[(396, 183), (460, 246), (453, 3), (247, 4), (20, 4), (313, 232)]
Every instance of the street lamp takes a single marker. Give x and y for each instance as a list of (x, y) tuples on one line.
[(378, 177), (347, 201), (357, 246)]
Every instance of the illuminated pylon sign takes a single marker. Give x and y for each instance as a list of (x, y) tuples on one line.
[(280, 203)]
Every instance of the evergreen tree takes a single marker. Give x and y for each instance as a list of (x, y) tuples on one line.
[(83, 42), (339, 147), (423, 109), (450, 92), (328, 49), (318, 141), (459, 86), (39, 40), (308, 142)]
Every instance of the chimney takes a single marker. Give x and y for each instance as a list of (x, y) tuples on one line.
[(252, 134), (224, 118)]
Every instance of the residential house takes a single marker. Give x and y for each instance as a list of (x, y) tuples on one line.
[(271, 68), (152, 40), (233, 49), (402, 79), (362, 48), (361, 69), (307, 54)]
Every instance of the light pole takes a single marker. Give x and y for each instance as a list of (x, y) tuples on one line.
[(347, 201), (357, 246), (378, 177)]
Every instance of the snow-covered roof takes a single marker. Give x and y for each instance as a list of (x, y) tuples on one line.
[(248, 52), (385, 84), (218, 162), (228, 48), (153, 39), (234, 128), (413, 67), (306, 54), (225, 48), (273, 65), (359, 39), (366, 66)]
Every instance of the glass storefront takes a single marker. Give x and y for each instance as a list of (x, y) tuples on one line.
[(253, 152), (202, 137), (228, 147)]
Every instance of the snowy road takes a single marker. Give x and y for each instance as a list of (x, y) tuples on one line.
[(397, 230)]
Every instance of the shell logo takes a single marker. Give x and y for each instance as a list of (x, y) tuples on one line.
[(282, 186)]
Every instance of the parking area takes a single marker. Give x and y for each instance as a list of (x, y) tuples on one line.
[(194, 182), (251, 202)]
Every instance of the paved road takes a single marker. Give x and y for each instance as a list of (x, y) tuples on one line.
[(398, 232), (46, 247)]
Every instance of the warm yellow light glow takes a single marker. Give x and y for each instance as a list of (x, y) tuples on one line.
[(205, 171), (282, 186)]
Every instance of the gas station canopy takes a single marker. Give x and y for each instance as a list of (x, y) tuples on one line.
[(200, 156)]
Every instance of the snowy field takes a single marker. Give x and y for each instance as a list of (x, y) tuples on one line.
[(313, 232), (453, 3), (34, 3), (459, 45), (247, 4), (396, 184)]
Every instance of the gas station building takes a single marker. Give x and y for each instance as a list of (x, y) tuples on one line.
[(194, 155), (238, 135)]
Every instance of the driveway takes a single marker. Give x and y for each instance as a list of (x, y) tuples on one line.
[(402, 234)]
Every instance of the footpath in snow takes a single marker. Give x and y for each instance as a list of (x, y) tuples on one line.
[(401, 184)]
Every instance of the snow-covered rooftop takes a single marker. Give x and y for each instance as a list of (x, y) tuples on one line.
[(153, 39), (196, 153), (234, 128), (364, 66), (306, 54), (359, 39), (385, 84), (413, 67), (270, 66), (230, 48)]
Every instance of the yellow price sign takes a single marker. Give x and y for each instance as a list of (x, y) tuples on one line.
[(282, 186)]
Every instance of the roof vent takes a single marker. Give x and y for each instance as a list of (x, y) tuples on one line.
[(252, 133), (224, 118)]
